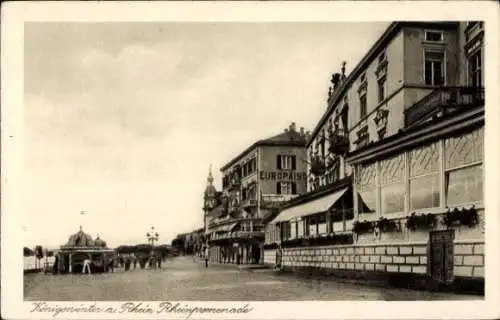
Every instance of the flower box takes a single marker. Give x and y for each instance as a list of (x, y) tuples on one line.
[(467, 217)]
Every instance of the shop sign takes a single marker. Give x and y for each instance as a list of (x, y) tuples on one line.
[(283, 175)]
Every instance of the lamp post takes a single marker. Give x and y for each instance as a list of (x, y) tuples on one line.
[(152, 237)]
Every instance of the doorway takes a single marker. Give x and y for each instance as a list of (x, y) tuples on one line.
[(441, 255)]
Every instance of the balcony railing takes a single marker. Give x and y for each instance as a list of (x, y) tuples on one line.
[(442, 101), (249, 203), (238, 235), (339, 142)]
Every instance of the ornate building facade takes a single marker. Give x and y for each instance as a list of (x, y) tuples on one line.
[(406, 128), (254, 186)]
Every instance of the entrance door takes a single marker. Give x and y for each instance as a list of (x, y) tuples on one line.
[(441, 255)]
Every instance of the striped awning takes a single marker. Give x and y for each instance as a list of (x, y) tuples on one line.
[(312, 207)]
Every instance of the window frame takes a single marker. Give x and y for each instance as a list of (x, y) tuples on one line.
[(435, 173), (478, 70), (441, 39), (442, 59), (441, 173), (381, 88), (363, 106), (462, 166)]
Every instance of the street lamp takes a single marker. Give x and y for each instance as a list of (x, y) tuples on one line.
[(152, 237)]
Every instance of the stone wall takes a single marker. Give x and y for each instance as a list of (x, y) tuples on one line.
[(402, 258), (469, 259), (270, 256)]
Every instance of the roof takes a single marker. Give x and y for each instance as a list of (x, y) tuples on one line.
[(321, 191), (318, 205), (80, 239), (288, 138), (389, 34)]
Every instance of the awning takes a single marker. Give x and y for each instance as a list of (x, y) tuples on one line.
[(225, 228), (315, 206)]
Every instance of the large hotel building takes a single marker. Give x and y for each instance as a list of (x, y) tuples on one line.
[(395, 164), (254, 186)]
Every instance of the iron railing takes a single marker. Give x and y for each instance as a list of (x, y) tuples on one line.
[(442, 101)]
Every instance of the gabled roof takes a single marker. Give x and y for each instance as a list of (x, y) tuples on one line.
[(288, 138)]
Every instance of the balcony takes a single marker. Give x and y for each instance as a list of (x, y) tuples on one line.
[(276, 200), (239, 235), (443, 101), (339, 142), (249, 203)]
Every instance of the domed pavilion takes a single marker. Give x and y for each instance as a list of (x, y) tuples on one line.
[(80, 247)]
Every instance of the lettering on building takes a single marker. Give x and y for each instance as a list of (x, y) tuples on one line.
[(283, 175)]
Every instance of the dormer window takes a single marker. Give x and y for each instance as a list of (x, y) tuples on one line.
[(434, 36)]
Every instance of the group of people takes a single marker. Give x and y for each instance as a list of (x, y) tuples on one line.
[(107, 265), (128, 262)]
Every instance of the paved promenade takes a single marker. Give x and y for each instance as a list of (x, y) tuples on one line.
[(183, 279)]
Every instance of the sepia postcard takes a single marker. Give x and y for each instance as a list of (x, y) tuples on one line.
[(250, 160)]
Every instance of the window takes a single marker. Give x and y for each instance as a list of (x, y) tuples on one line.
[(434, 36), (362, 106), (285, 230), (300, 229), (363, 137), (464, 168), (381, 89), (475, 76), (285, 162), (286, 188), (433, 68), (424, 177), (392, 186), (367, 189)]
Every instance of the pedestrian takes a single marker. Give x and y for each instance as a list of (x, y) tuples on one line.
[(112, 265), (55, 268), (86, 266), (206, 257), (135, 262), (159, 263), (279, 255)]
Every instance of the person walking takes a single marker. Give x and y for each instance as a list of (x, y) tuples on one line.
[(206, 257), (55, 268), (112, 265), (86, 266)]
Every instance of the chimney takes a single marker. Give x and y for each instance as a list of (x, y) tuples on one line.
[(292, 126), (302, 133)]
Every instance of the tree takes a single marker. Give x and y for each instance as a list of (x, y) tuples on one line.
[(28, 252), (39, 253)]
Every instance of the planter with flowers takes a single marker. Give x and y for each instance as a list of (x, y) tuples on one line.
[(362, 227), (421, 221), (386, 225), (455, 217)]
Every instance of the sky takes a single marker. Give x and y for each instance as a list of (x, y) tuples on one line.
[(122, 120)]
